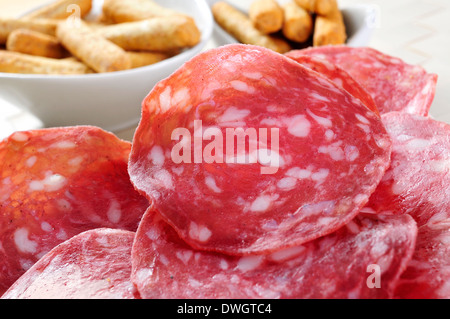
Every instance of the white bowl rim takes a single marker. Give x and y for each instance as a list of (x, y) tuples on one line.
[(206, 35)]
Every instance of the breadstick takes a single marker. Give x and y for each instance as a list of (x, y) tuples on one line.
[(298, 23), (155, 34), (13, 62), (35, 43), (139, 59), (91, 48), (242, 29), (62, 9), (266, 15), (120, 11), (8, 25), (308, 5), (329, 30), (326, 7)]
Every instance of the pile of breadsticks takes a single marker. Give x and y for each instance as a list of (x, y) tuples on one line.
[(283, 27), (58, 39)]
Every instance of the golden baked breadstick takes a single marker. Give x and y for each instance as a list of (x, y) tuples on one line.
[(91, 48), (7, 25), (266, 15), (308, 5), (119, 11), (329, 30), (242, 29), (154, 34), (298, 23), (13, 62), (326, 7), (35, 43), (139, 59), (62, 9)]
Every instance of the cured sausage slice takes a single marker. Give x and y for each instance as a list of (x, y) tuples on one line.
[(202, 155), (393, 84), (418, 183), (95, 264), (361, 260), (56, 183), (336, 75)]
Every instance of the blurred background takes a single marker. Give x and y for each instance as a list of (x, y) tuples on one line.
[(417, 31)]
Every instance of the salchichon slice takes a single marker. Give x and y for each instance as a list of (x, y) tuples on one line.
[(336, 75), (56, 183), (393, 84), (418, 183), (95, 264), (363, 259), (245, 151)]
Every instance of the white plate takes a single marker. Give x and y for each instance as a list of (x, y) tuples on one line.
[(360, 21), (111, 101)]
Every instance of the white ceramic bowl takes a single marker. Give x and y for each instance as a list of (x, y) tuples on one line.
[(111, 100), (360, 21)]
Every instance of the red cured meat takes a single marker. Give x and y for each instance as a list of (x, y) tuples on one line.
[(418, 183), (95, 264), (56, 183), (336, 75), (342, 265), (393, 84), (332, 152)]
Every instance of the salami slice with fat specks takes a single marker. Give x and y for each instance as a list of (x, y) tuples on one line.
[(312, 156), (56, 183), (95, 264), (418, 183), (361, 260), (336, 75), (393, 84)]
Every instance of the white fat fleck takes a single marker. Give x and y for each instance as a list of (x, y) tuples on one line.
[(46, 227), (418, 144), (63, 145), (223, 264), (329, 135), (299, 126), (287, 254), (114, 212), (165, 99), (326, 207), (261, 204), (351, 153), (76, 161), (233, 114), (51, 183), (178, 170), (23, 243), (211, 183), (320, 97), (164, 178), (398, 188), (31, 161), (364, 127), (249, 263), (299, 173), (64, 205), (360, 198), (439, 166), (335, 152), (156, 155), (320, 120), (180, 96), (321, 175), (242, 87), (253, 75), (19, 137), (287, 183), (184, 255), (199, 232), (362, 119)]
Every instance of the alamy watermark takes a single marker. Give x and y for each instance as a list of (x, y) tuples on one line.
[(238, 146)]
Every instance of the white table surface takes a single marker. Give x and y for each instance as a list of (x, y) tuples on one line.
[(417, 31)]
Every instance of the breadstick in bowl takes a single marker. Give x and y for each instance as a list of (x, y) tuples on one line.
[(14, 62), (330, 30), (59, 10), (154, 34), (298, 25), (35, 43), (7, 25), (266, 15), (91, 48)]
